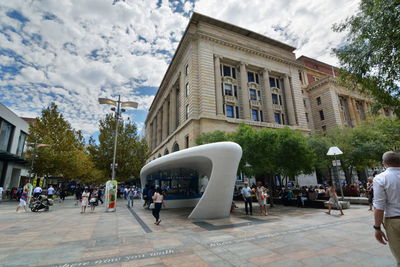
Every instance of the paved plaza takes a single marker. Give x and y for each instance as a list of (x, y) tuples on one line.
[(290, 236)]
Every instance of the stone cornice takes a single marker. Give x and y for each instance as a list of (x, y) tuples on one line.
[(248, 49)]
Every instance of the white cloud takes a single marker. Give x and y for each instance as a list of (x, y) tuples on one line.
[(90, 49)]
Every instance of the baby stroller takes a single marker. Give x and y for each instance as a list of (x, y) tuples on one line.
[(40, 203)]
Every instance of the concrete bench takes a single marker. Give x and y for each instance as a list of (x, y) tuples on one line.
[(357, 200)]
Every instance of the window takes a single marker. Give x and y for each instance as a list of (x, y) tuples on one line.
[(187, 112), (187, 141), (308, 120), (324, 128), (253, 94), (237, 112), (252, 77), (280, 100), (283, 118), (229, 111), (261, 116), (6, 130), (274, 82), (175, 147), (166, 152), (229, 71), (228, 89), (235, 90), (277, 117), (259, 95), (21, 144), (254, 114), (275, 99), (187, 69), (321, 115), (318, 101), (300, 77), (187, 89), (305, 103)]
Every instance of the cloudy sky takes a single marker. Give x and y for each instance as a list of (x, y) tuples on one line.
[(73, 51)]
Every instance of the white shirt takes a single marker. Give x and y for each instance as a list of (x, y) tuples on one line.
[(246, 191), (37, 190), (50, 191), (387, 191)]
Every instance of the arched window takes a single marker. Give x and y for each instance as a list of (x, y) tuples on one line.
[(159, 155), (175, 147), (166, 152)]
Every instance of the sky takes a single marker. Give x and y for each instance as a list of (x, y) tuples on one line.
[(72, 52)]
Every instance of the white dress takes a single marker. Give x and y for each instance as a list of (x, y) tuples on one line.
[(85, 198)]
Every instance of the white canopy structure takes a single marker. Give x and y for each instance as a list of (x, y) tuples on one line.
[(179, 174)]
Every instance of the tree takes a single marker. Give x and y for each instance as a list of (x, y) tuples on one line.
[(131, 150), (370, 55), (65, 156)]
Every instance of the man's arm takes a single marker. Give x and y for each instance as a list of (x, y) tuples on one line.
[(379, 205), (379, 234)]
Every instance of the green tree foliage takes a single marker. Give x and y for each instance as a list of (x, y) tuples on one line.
[(268, 151), (65, 156), (131, 150), (370, 55)]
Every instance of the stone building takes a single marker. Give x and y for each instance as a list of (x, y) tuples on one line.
[(326, 103), (222, 75)]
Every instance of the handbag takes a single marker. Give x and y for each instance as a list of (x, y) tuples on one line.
[(152, 205)]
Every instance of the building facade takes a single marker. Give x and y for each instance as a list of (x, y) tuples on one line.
[(13, 134), (222, 75), (327, 104)]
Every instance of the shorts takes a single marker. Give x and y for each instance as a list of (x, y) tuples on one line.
[(262, 202), (22, 202)]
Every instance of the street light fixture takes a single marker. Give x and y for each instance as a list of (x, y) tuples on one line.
[(118, 104), (333, 151)]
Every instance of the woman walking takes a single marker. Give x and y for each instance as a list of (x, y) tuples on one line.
[(261, 194), (23, 199), (94, 199), (85, 199), (333, 199), (158, 199)]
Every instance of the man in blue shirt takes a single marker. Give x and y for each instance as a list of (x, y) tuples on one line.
[(246, 194)]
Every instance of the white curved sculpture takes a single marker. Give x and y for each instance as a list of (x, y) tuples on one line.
[(218, 161)]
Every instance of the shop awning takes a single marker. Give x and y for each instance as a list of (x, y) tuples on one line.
[(7, 156)]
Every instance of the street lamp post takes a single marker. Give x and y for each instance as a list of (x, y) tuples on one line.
[(119, 105), (333, 151)]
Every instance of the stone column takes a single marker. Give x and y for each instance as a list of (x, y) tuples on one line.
[(267, 105), (351, 111), (289, 100), (366, 110), (154, 137), (218, 89), (165, 120), (356, 113), (172, 110), (245, 92), (149, 129), (159, 126)]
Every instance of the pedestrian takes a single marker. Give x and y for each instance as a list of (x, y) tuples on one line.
[(246, 194), (370, 191), (85, 200), (62, 194), (387, 203), (23, 199), (131, 196), (333, 199), (78, 194), (93, 200), (261, 195), (1, 193), (158, 199), (50, 192), (37, 191), (100, 195), (145, 195)]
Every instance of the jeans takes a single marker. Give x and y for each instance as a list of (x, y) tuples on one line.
[(156, 210), (248, 201), (130, 201)]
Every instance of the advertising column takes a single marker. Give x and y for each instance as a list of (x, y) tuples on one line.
[(111, 195)]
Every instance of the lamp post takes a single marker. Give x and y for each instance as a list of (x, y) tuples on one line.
[(333, 151), (119, 105)]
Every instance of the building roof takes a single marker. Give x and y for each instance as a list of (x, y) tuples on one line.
[(197, 17), (28, 120), (305, 58)]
